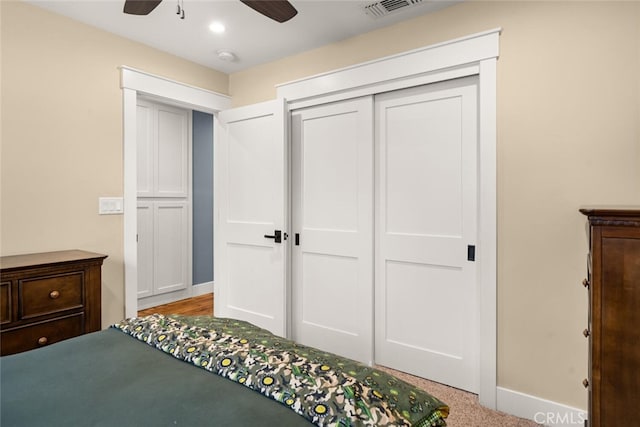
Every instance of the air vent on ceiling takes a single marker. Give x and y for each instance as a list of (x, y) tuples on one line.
[(385, 7)]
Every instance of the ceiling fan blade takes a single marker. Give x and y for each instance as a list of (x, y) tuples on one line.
[(278, 10), (140, 7)]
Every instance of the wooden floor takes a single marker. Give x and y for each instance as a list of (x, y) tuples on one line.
[(197, 306)]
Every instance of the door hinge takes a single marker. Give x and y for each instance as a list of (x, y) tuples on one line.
[(471, 252)]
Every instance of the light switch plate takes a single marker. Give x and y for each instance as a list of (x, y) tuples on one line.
[(110, 205)]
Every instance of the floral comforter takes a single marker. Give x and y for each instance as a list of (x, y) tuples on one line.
[(326, 389)]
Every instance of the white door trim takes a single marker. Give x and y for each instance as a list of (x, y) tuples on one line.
[(476, 54), (133, 83)]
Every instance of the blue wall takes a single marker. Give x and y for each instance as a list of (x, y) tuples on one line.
[(202, 197)]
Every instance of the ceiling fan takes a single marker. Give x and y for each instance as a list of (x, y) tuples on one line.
[(278, 10)]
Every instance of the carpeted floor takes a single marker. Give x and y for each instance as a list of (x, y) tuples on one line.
[(464, 406)]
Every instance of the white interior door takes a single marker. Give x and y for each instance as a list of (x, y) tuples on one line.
[(332, 222), (426, 212), (250, 184)]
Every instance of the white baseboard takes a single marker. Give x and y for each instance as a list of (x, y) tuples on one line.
[(202, 288), (193, 291), (155, 300), (542, 411)]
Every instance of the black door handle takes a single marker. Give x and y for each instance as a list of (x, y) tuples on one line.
[(277, 236)]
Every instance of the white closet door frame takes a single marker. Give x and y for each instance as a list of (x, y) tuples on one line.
[(476, 54), (135, 83)]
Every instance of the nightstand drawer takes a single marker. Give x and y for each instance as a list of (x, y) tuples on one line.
[(41, 334), (50, 294)]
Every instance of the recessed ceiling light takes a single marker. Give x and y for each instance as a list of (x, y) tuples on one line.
[(217, 27)]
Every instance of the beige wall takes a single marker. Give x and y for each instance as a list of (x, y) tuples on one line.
[(568, 135), (62, 135)]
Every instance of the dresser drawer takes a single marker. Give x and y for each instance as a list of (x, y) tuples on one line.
[(41, 334), (50, 294), (48, 297), (5, 302)]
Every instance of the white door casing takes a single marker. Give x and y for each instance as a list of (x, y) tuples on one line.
[(136, 83), (332, 212), (251, 186), (426, 216)]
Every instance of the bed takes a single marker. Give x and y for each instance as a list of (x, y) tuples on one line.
[(195, 371)]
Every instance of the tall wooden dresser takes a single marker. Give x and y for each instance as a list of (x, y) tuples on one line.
[(613, 281), (48, 297)]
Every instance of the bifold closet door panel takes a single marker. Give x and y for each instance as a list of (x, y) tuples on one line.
[(426, 196), (332, 215), (163, 245), (145, 249), (172, 151), (162, 142), (145, 168), (171, 245)]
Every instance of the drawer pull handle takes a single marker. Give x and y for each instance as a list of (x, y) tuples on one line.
[(585, 383), (585, 283), (585, 332), (54, 294), (43, 340)]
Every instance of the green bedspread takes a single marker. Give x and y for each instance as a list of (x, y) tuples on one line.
[(108, 379), (325, 389)]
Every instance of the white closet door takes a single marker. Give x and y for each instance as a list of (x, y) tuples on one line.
[(250, 186), (171, 245), (163, 165), (426, 288), (145, 249), (332, 189), (145, 149), (172, 150)]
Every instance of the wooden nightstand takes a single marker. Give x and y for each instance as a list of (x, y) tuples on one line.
[(48, 297)]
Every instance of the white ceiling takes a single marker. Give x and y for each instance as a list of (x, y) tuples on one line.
[(253, 38)]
